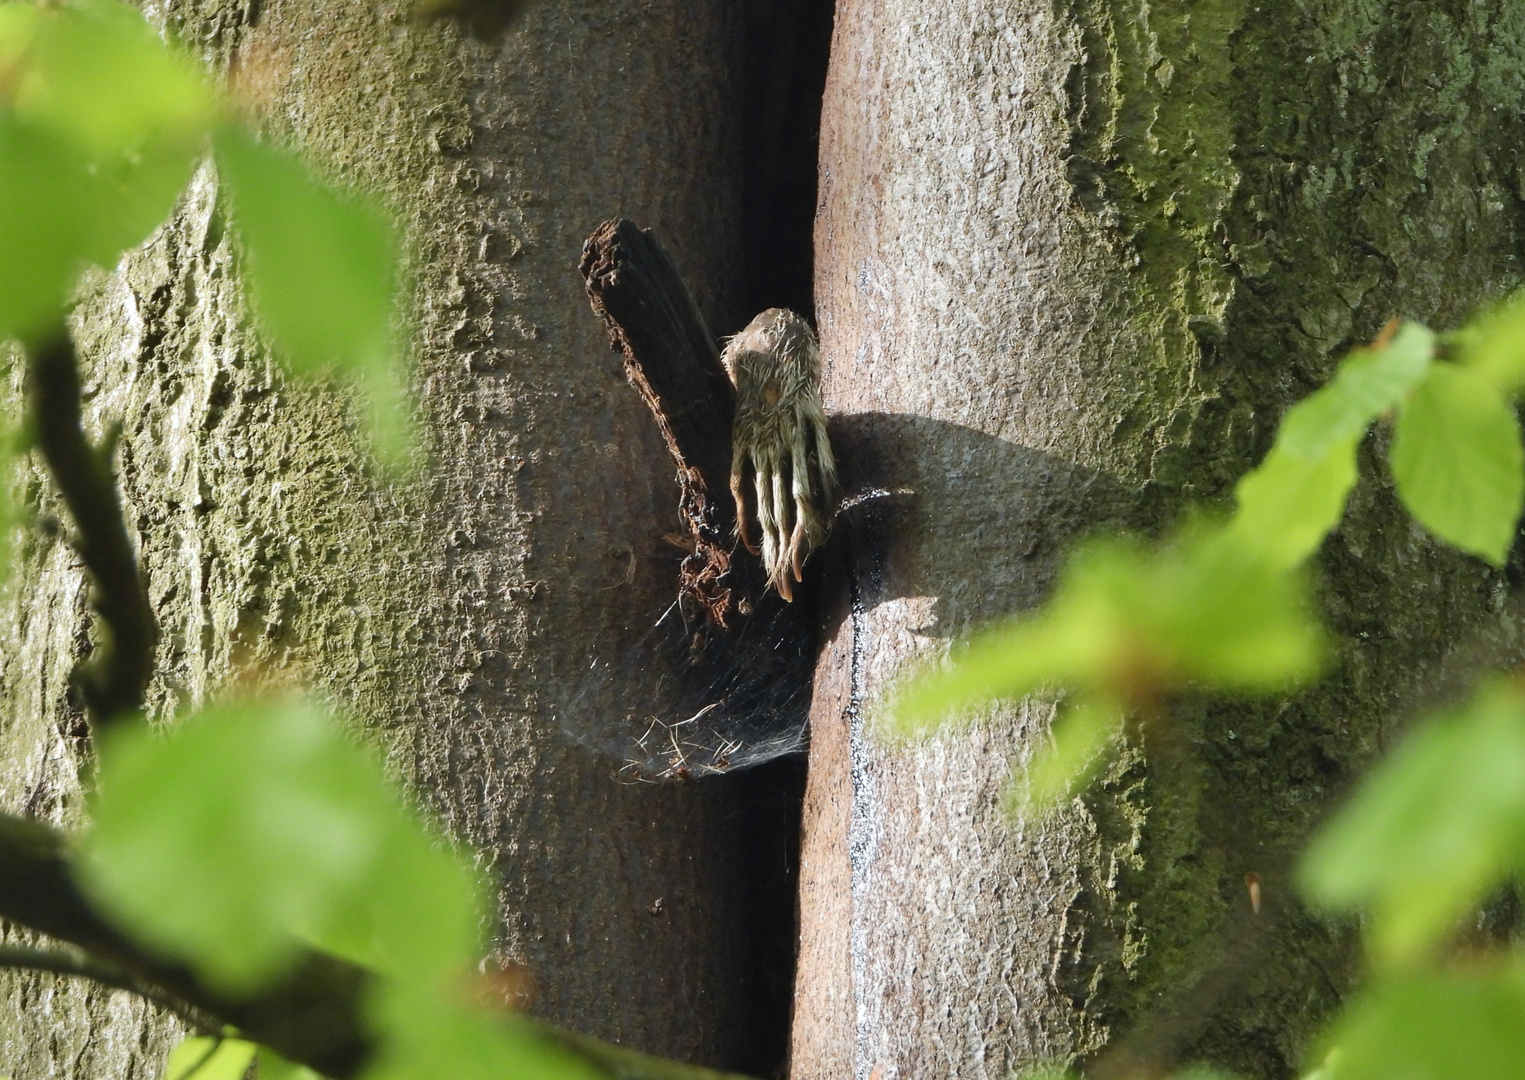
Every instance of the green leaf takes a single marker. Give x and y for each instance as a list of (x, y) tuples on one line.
[(1438, 1027), (1082, 732), (1228, 618), (1297, 495), (1368, 383), (321, 272), (429, 1037), (274, 1067), (43, 232), (1434, 829), (1290, 503), (203, 1058), (1459, 464), (1224, 608), (248, 829), (100, 128), (95, 72), (419, 918), (95, 76), (220, 839), (1071, 643), (1492, 347), (1127, 620)]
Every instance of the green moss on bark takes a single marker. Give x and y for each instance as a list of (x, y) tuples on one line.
[(441, 613), (1284, 178)]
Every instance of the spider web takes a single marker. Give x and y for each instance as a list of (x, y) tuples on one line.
[(695, 700)]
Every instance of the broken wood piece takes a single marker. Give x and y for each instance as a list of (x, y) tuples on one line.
[(671, 360)]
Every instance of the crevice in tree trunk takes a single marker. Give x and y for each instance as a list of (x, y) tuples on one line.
[(786, 49), (787, 43)]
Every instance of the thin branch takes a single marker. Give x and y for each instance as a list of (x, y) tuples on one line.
[(69, 962), (113, 681), (620, 1063), (314, 1016)]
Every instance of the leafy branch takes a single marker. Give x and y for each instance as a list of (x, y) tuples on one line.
[(1224, 606), (67, 962), (314, 1014), (250, 868), (113, 682), (311, 1016)]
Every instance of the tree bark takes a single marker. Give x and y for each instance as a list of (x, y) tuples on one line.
[(444, 613), (1073, 260)]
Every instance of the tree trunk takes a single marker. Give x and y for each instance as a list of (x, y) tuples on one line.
[(442, 614), (1073, 260)]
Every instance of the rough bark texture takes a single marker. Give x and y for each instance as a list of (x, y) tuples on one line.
[(1073, 260), (439, 612)]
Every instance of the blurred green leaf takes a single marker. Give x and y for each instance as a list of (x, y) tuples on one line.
[(1434, 828), (1131, 621), (130, 200), (1072, 642), (44, 234), (321, 271), (1297, 495), (1290, 503), (100, 128), (219, 839), (1223, 607), (421, 917), (274, 1067), (430, 1037), (1082, 732), (203, 1058), (1438, 1027), (1369, 382), (1492, 346), (96, 73), (247, 829), (95, 76), (1234, 622), (1459, 464)]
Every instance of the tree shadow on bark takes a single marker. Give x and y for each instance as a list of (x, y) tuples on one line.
[(974, 524), (1160, 939)]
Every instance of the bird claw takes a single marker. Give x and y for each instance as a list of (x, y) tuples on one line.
[(780, 436)]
